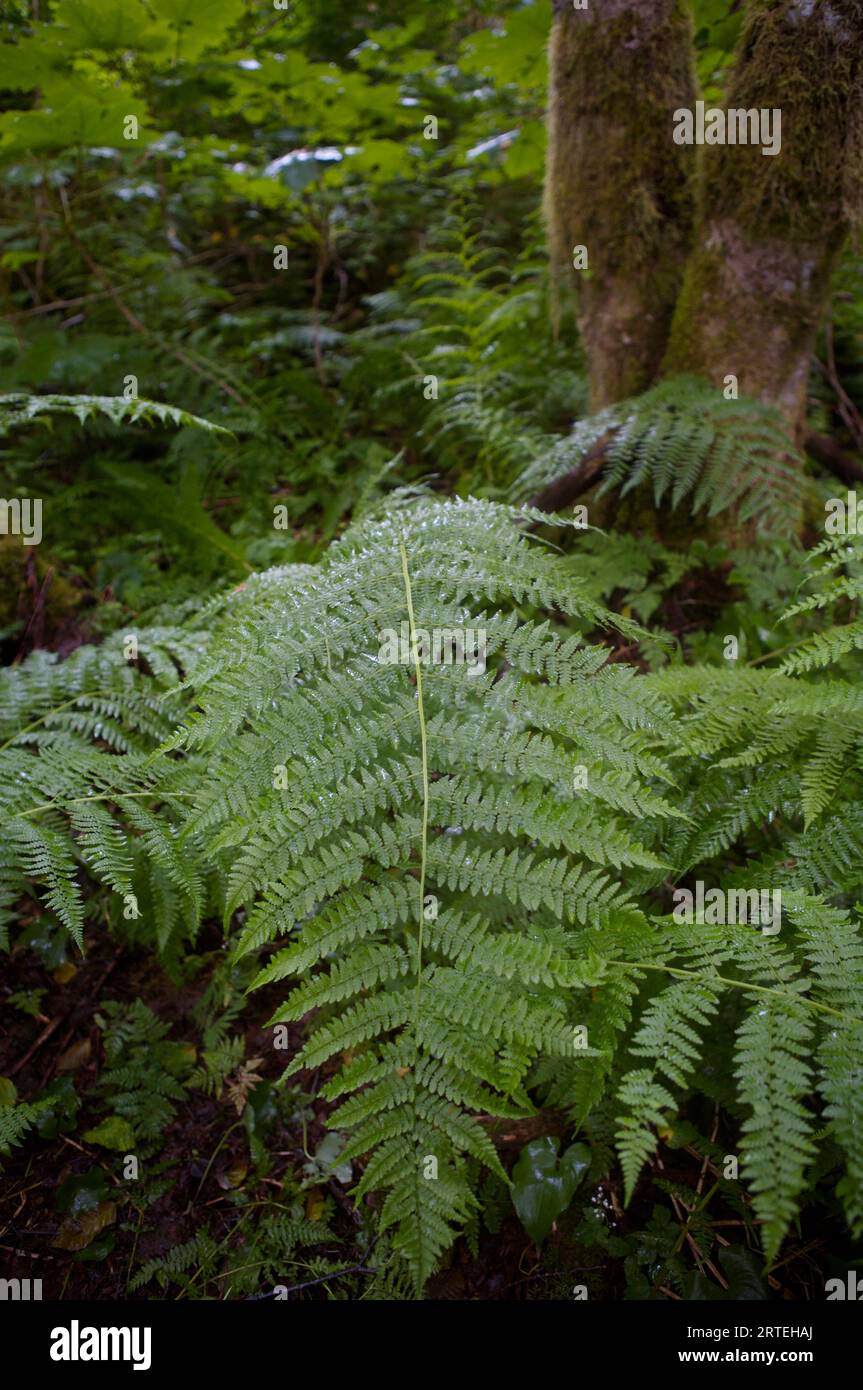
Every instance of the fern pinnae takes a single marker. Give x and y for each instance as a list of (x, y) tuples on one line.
[(774, 1075), (747, 986)]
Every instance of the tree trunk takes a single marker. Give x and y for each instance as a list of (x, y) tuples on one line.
[(616, 184), (770, 226), (737, 285)]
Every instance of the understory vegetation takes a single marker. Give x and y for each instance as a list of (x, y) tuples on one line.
[(353, 775)]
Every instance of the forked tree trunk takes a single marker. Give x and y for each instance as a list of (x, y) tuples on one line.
[(761, 244)]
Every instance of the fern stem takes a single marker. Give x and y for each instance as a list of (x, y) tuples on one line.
[(738, 984), (115, 795), (134, 1246), (229, 1131), (28, 728), (780, 651), (423, 848), (425, 777)]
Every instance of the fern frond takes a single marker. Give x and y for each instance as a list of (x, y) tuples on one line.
[(424, 781), (17, 409), (689, 444), (774, 1075)]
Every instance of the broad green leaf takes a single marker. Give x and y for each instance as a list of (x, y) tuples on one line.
[(81, 1192), (106, 25), (197, 25), (75, 115), (112, 1133), (543, 1184)]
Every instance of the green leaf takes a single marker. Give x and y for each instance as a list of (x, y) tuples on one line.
[(101, 1247), (106, 26), (75, 114), (61, 1105), (112, 1133), (81, 1192), (543, 1185), (18, 409), (198, 24), (744, 1272), (325, 1163)]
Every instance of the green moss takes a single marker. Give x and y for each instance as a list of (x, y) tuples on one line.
[(771, 226), (60, 598), (751, 307), (615, 182), (806, 60)]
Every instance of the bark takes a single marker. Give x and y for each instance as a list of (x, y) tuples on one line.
[(713, 260), (615, 182), (770, 227)]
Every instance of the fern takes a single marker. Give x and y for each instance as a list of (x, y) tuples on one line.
[(777, 1024), (19, 409), (688, 444), (454, 905), (835, 572), (77, 795), (436, 923), (169, 1268), (217, 1063), (449, 343), (261, 1255), (453, 866), (835, 953), (669, 1034), (16, 1121), (773, 1044), (145, 1073), (772, 779)]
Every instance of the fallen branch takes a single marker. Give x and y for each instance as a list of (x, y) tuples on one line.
[(563, 490), (825, 450)]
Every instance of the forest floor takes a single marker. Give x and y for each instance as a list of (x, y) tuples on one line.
[(201, 1176), (203, 1151)]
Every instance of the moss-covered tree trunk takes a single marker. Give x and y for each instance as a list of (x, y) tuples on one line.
[(616, 185), (770, 225), (741, 279)]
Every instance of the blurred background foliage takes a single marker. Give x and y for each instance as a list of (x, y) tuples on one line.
[(153, 258)]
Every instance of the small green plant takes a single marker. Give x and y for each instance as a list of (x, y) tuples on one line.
[(544, 1183), (144, 1077)]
